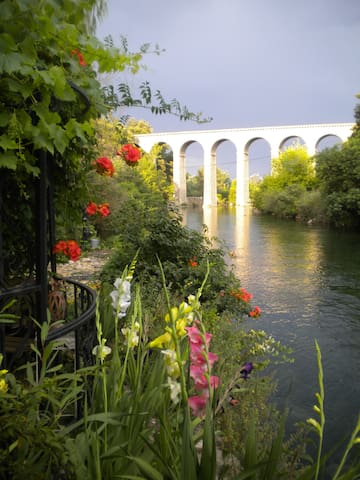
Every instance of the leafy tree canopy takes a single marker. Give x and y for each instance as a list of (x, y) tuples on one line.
[(338, 171), (293, 166)]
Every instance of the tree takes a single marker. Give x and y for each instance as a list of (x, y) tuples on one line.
[(338, 171), (223, 183), (293, 174), (232, 193), (49, 96), (293, 166), (195, 184)]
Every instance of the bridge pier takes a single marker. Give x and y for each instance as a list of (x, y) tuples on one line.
[(210, 194)]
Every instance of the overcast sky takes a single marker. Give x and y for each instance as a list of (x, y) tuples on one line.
[(245, 63)]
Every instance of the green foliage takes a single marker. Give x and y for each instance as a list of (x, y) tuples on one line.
[(338, 170), (49, 95), (155, 102), (155, 231), (32, 410), (294, 166), (311, 205), (50, 73), (282, 192), (195, 184), (232, 193), (49, 92), (164, 160)]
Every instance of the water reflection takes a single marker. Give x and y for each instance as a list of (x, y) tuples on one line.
[(306, 279), (210, 219)]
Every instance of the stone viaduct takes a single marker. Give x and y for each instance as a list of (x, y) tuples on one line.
[(242, 138)]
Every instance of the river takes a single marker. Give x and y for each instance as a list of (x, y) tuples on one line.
[(306, 279)]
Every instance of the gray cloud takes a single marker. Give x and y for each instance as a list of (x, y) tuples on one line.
[(246, 63)]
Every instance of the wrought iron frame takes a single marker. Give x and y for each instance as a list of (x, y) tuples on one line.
[(36, 292)]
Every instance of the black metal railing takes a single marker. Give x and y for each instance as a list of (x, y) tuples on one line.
[(76, 331)]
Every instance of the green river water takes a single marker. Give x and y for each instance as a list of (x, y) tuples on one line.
[(306, 279)]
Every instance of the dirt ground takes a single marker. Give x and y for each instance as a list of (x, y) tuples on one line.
[(87, 269)]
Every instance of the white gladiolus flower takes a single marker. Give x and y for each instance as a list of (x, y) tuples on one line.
[(121, 297), (101, 351), (131, 336), (175, 390)]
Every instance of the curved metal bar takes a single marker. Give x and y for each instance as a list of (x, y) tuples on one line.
[(15, 338), (87, 309)]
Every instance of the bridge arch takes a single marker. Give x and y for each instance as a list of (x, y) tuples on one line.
[(242, 138), (328, 141)]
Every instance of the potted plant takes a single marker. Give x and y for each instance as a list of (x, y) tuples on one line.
[(93, 237)]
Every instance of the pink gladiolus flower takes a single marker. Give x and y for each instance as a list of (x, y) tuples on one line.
[(202, 384), (194, 336), (197, 356), (196, 371), (212, 358), (197, 403), (214, 381)]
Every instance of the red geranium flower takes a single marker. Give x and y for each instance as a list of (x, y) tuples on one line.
[(73, 251), (130, 154), (70, 248), (60, 247), (104, 209), (91, 208), (104, 166)]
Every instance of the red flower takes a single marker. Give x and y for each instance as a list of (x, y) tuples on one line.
[(91, 208), (130, 154), (70, 248), (104, 166), (73, 251), (77, 52), (193, 262), (241, 294), (255, 312), (104, 210), (60, 247)]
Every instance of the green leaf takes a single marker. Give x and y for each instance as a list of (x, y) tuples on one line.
[(207, 469), (146, 469), (7, 143), (4, 119), (61, 88), (188, 454), (250, 459), (8, 160), (11, 62), (59, 137)]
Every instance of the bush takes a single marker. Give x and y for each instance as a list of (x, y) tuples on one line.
[(311, 206)]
